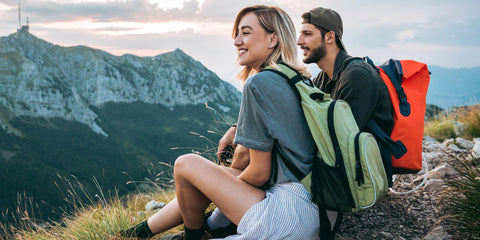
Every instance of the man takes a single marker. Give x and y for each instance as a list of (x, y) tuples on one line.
[(353, 81)]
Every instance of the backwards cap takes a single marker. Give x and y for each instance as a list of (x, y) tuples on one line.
[(327, 19)]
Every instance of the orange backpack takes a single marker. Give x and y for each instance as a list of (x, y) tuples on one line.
[(407, 83)]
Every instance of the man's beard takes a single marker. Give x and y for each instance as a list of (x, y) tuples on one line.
[(317, 54)]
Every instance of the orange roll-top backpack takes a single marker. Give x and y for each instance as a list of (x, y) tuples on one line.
[(407, 83)]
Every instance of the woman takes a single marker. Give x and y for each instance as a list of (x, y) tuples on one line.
[(265, 200)]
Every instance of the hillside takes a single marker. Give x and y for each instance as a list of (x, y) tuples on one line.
[(453, 87), (81, 113)]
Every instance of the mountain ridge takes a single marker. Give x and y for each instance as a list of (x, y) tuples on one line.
[(81, 113), (80, 77)]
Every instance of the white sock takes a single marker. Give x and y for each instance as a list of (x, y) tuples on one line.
[(217, 220)]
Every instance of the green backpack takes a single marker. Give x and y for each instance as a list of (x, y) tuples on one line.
[(348, 173)]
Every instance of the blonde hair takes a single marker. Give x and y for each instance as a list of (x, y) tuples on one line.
[(273, 20)]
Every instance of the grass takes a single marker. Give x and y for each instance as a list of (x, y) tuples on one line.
[(442, 126), (471, 116), (463, 199), (100, 217)]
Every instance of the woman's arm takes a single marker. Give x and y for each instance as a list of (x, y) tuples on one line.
[(241, 158), (258, 171)]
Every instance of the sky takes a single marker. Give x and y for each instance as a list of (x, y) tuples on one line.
[(445, 33)]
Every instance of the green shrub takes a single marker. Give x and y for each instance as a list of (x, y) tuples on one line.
[(471, 117), (440, 128), (464, 199)]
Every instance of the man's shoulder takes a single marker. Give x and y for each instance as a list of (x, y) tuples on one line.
[(362, 74), (360, 68), (358, 64)]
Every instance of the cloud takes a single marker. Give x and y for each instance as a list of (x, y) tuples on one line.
[(405, 35), (131, 10)]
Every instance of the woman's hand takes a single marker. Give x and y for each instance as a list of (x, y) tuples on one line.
[(226, 140)]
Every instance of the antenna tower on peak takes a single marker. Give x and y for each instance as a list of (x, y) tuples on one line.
[(21, 28)]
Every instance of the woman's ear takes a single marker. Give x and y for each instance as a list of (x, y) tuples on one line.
[(273, 40)]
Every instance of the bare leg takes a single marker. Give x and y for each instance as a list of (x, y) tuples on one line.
[(199, 181), (165, 219), (170, 215)]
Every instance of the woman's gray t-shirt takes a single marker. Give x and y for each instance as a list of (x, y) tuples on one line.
[(271, 119)]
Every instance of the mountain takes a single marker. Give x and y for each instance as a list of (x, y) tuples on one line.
[(81, 113), (450, 87)]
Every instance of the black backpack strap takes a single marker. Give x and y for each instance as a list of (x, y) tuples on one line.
[(397, 147), (326, 232), (394, 71), (388, 147)]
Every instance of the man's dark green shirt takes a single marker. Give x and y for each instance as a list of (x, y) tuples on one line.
[(361, 86)]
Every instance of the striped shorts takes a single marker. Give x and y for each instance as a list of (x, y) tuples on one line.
[(287, 212)]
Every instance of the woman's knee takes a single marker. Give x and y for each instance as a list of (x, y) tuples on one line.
[(185, 162)]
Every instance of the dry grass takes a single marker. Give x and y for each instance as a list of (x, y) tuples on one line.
[(99, 217), (442, 126)]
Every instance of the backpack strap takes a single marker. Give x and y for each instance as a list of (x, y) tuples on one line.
[(394, 72), (293, 77), (393, 69)]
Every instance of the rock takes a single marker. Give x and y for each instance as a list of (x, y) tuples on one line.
[(459, 128), (429, 156), (152, 205), (432, 146), (448, 142), (387, 235), (476, 150), (427, 140), (465, 144), (434, 185), (438, 233), (454, 148), (441, 171)]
